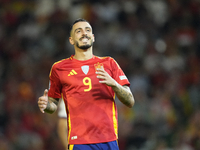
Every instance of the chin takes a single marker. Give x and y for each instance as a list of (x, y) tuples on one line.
[(85, 47)]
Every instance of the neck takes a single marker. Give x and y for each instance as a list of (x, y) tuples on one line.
[(83, 54)]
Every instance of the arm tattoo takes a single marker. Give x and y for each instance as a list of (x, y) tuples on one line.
[(124, 95), (51, 105)]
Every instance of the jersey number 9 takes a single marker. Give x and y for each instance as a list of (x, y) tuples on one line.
[(87, 82)]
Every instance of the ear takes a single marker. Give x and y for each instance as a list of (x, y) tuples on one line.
[(71, 40), (93, 38)]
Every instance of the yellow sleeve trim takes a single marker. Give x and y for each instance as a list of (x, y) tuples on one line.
[(54, 64)]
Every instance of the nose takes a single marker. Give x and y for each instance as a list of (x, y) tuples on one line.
[(84, 32)]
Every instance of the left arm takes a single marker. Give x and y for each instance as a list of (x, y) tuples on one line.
[(123, 93)]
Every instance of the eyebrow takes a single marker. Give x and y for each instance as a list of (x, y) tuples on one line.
[(81, 28), (77, 29)]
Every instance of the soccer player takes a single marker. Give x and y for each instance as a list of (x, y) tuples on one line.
[(62, 124), (88, 85)]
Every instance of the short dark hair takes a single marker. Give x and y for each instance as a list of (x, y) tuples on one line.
[(77, 20)]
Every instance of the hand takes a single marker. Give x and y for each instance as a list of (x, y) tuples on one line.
[(105, 77), (43, 101)]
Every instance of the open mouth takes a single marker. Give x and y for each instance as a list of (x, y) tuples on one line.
[(84, 39)]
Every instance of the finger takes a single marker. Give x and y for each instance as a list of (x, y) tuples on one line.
[(42, 110), (42, 103), (42, 100), (42, 107), (100, 73), (102, 81), (100, 69), (45, 92), (100, 76)]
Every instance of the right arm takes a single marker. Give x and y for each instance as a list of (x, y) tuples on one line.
[(47, 104)]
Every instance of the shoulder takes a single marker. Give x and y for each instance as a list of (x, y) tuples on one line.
[(108, 58), (60, 62), (57, 65)]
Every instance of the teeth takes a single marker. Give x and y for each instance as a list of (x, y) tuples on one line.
[(84, 40)]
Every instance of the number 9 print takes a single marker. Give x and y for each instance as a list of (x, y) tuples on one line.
[(87, 82)]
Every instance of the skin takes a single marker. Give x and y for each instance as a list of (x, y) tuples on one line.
[(124, 94), (62, 131), (47, 104), (80, 30)]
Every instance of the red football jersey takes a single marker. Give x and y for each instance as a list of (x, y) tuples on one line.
[(90, 105)]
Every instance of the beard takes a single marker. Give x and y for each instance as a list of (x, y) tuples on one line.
[(84, 47)]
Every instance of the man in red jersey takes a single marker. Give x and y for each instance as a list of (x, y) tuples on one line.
[(88, 85)]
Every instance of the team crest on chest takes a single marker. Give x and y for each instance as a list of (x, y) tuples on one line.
[(85, 69), (98, 65)]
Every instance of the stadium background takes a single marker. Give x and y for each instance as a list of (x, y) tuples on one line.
[(156, 42)]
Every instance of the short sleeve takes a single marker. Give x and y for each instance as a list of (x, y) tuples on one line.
[(118, 73), (54, 83)]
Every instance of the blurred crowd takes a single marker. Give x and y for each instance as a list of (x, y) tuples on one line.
[(156, 43)]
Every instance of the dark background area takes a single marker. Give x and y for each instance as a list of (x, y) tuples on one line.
[(156, 43)]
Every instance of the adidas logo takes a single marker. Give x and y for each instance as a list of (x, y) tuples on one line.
[(72, 72)]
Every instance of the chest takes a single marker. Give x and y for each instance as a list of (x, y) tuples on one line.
[(81, 76)]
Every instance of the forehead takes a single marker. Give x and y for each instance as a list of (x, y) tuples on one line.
[(81, 25)]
